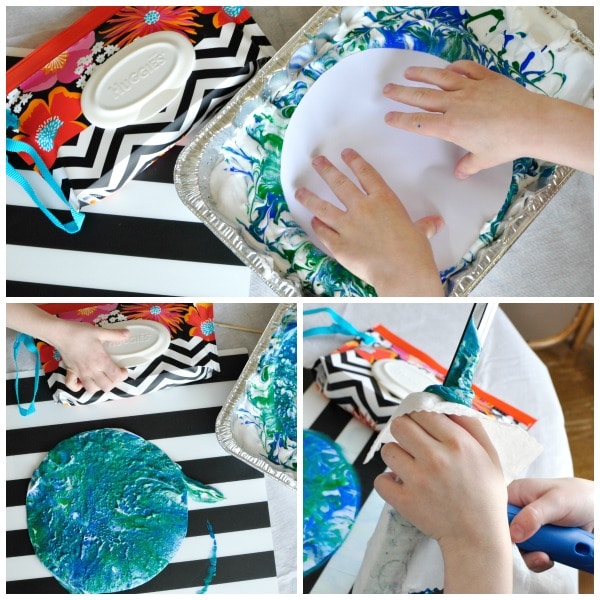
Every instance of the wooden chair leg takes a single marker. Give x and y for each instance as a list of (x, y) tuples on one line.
[(579, 328)]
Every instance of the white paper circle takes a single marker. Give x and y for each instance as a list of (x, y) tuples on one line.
[(345, 108)]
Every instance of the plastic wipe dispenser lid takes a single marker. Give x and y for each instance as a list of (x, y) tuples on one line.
[(147, 340), (139, 81), (400, 378)]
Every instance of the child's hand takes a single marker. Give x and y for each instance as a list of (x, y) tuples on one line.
[(448, 482), (493, 117), (88, 363), (568, 502), (374, 238), (481, 111)]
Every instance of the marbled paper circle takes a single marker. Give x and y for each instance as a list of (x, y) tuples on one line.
[(106, 511), (331, 499)]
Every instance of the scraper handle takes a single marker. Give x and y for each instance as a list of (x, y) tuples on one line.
[(569, 546)]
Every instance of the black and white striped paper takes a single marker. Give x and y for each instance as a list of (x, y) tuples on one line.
[(180, 421)]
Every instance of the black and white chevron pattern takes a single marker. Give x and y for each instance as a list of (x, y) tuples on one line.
[(100, 161), (345, 379), (185, 361), (181, 421), (142, 241)]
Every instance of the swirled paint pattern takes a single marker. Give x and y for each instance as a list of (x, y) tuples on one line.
[(254, 152)]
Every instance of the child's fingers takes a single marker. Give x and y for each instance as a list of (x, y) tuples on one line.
[(389, 488), (428, 99), (423, 123), (72, 381), (397, 458), (340, 185), (430, 225), (446, 79), (326, 212), (538, 562), (369, 178), (474, 426), (112, 335), (470, 69), (330, 237)]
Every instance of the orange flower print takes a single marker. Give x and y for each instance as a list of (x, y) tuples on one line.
[(47, 126), (226, 14), (169, 315), (49, 357), (200, 317), (132, 22)]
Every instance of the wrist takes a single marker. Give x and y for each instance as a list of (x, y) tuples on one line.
[(481, 565), (398, 283)]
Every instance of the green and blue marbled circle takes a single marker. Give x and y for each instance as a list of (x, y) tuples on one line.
[(106, 511)]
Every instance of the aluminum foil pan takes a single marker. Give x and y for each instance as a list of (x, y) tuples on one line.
[(202, 154), (231, 431)]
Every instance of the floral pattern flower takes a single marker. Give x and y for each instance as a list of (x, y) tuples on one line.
[(49, 357), (90, 314), (169, 315), (48, 125), (200, 317), (63, 68), (226, 14), (132, 22)]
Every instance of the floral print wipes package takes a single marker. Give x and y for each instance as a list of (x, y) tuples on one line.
[(191, 356), (89, 162)]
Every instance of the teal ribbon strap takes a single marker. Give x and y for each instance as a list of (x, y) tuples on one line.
[(29, 343), (339, 326), (18, 146)]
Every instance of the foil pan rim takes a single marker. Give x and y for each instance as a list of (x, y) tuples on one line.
[(223, 426), (196, 196)]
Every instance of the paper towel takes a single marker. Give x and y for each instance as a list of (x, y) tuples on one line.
[(401, 559)]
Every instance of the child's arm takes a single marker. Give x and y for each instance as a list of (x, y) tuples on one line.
[(80, 346), (374, 238), (447, 480), (494, 118)]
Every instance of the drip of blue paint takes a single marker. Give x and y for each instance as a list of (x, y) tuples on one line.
[(458, 382), (212, 567)]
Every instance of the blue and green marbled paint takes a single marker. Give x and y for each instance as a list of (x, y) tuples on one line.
[(107, 511), (271, 392), (452, 33), (331, 498)]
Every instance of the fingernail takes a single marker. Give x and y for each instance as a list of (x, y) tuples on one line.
[(318, 161), (461, 175), (516, 534), (300, 194), (389, 117), (388, 88)]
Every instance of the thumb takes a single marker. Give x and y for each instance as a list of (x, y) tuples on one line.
[(468, 165), (113, 335), (429, 226), (529, 520)]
